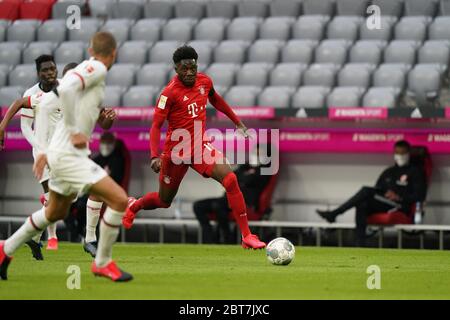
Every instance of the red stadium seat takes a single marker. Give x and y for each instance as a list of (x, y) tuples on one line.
[(9, 9), (36, 9), (421, 157)]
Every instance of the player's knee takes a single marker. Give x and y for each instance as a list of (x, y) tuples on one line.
[(120, 202), (230, 182)]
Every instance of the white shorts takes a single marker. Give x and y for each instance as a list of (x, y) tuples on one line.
[(72, 174), (46, 174)]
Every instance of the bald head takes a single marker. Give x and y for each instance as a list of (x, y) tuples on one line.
[(103, 44)]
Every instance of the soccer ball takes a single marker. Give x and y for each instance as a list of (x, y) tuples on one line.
[(280, 251)]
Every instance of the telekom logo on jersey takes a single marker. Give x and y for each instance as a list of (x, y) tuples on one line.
[(198, 149)]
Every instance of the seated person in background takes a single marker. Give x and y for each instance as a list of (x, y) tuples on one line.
[(251, 182), (397, 189)]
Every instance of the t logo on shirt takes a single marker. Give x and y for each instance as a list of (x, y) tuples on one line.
[(193, 109)]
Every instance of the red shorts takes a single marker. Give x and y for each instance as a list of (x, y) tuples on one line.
[(172, 174)]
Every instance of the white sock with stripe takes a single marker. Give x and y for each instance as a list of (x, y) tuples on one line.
[(109, 230), (93, 209)]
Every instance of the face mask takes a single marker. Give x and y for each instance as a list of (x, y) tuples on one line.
[(106, 149), (401, 159)]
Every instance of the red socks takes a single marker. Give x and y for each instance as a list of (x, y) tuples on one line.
[(149, 201), (236, 202)]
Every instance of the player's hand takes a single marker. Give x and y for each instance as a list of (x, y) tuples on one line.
[(2, 140), (155, 164), (39, 165), (79, 140), (391, 195), (243, 130), (109, 114)]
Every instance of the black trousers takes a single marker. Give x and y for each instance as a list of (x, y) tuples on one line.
[(220, 207)]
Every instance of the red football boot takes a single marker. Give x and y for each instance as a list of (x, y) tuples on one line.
[(4, 262), (42, 199), (52, 244), (252, 242), (129, 215), (111, 271)]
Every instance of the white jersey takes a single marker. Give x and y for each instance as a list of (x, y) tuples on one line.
[(81, 111)]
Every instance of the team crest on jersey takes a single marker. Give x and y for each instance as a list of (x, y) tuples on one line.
[(202, 90), (162, 102)]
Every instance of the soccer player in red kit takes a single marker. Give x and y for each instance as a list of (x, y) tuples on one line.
[(183, 103)]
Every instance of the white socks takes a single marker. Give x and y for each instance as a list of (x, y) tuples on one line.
[(92, 215), (109, 230), (34, 225), (37, 238), (51, 231)]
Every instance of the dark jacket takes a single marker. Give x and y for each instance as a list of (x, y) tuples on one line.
[(114, 164)]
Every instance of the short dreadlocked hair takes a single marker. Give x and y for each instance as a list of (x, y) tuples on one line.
[(43, 58), (184, 52)]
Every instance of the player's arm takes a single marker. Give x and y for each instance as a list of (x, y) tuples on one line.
[(106, 118), (41, 123), (26, 122), (161, 111), (12, 110)]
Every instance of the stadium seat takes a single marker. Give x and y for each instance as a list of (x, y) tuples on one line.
[(265, 51), (159, 9), (321, 74), (162, 51), (390, 75), (233, 51), (384, 33), (244, 28), (10, 10), (223, 74), (420, 8), (140, 96), (277, 97), (190, 9), (59, 9), (440, 29), (3, 27), (70, 51), (310, 97), (343, 27), (9, 94), (4, 71), (119, 27), (122, 74), (128, 9), (283, 8), (212, 29), (318, 7), (401, 51), (367, 51), (242, 96), (153, 74), (113, 96), (35, 49), (381, 97), (435, 51), (298, 51), (221, 8), (147, 30), (390, 7), (332, 51), (424, 84), (23, 75), (22, 30), (133, 52), (253, 74), (287, 74), (276, 28), (10, 52), (36, 9), (90, 26), (52, 30), (101, 8), (355, 75), (204, 50), (179, 29), (352, 7), (444, 7), (345, 97), (411, 28), (310, 27), (252, 8)]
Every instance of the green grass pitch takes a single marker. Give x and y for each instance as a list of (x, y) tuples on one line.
[(230, 272)]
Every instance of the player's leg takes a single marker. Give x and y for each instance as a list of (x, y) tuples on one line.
[(52, 238), (93, 208)]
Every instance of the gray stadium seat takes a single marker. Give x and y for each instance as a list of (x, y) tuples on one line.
[(345, 97), (309, 27), (243, 96), (10, 52), (133, 52), (435, 51), (161, 9), (153, 74), (22, 30), (244, 28), (321, 7), (4, 71), (60, 68), (90, 26), (140, 96), (283, 8), (332, 51), (390, 75), (441, 68), (113, 96), (401, 51), (367, 51), (287, 74), (3, 27), (162, 51), (212, 29), (252, 8), (52, 30), (147, 30), (298, 51), (233, 51), (120, 28), (278, 97), (381, 97), (444, 7), (384, 33), (59, 9), (411, 28), (128, 9), (223, 74), (70, 51), (390, 7), (310, 97), (101, 8), (420, 8), (352, 7), (221, 8), (253, 74), (179, 29), (424, 85), (35, 49), (23, 75), (9, 94), (122, 74), (343, 27), (355, 75), (204, 50), (440, 29), (321, 74), (190, 9), (265, 51), (277, 28)]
